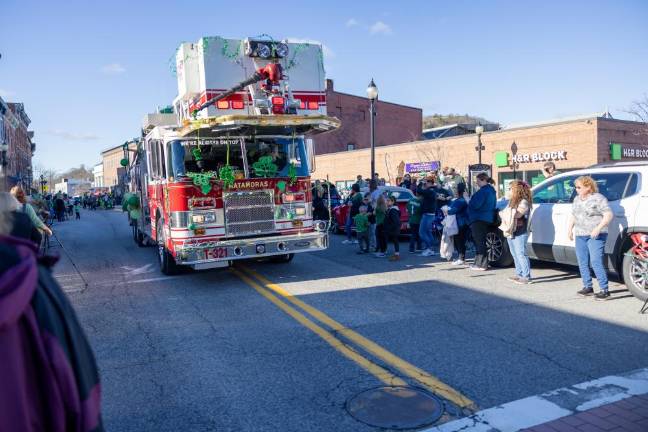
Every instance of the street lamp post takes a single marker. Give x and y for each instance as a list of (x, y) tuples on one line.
[(372, 94), (479, 130), (4, 148)]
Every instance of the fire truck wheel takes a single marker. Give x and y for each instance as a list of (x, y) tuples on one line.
[(168, 265), (282, 258)]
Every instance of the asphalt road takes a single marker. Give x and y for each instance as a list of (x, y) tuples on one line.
[(284, 346)]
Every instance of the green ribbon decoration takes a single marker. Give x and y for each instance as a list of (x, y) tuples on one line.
[(226, 175), (281, 185), (197, 154), (292, 174), (203, 180), (265, 167)]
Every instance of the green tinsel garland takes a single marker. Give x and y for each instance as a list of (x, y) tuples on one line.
[(203, 180), (265, 167)]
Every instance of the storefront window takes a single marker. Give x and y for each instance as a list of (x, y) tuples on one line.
[(532, 177)]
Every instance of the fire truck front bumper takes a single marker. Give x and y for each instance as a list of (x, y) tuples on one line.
[(202, 254)]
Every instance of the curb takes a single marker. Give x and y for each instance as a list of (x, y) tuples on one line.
[(543, 408)]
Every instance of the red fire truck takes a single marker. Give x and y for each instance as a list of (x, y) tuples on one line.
[(227, 175)]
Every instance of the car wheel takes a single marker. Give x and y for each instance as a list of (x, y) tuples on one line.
[(497, 248), (635, 276), (282, 259), (168, 265)]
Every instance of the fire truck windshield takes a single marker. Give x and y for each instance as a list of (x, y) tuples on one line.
[(265, 156)]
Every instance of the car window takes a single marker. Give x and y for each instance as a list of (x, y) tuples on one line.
[(611, 185), (632, 185), (558, 191), (400, 195)]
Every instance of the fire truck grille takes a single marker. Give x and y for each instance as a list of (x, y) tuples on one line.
[(248, 213)]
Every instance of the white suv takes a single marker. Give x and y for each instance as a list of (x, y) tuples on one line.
[(625, 185)]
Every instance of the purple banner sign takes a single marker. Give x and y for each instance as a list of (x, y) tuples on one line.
[(422, 166)]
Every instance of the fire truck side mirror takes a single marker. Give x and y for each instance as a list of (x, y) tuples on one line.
[(310, 154)]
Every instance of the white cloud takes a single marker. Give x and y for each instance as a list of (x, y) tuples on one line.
[(352, 22), (5, 94), (380, 27), (73, 136), (328, 52), (113, 69)]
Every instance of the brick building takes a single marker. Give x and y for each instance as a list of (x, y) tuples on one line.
[(112, 168), (394, 123), (14, 123), (518, 151)]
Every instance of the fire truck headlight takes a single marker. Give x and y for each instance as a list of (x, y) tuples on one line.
[(210, 217), (263, 51), (281, 50), (300, 211), (198, 218)]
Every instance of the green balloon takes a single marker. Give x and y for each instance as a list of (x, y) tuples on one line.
[(133, 201), (124, 162), (281, 185), (135, 214)]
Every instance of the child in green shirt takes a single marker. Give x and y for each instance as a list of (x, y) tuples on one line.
[(361, 221), (77, 209)]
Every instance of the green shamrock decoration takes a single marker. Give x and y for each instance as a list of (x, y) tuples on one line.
[(292, 173), (265, 167), (281, 185), (203, 180), (226, 175), (197, 154)]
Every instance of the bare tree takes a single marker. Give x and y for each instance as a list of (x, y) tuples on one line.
[(639, 110)]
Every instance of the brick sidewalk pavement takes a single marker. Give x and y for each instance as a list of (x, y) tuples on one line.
[(627, 415)]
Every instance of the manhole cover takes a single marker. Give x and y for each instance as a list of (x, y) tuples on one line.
[(395, 407)]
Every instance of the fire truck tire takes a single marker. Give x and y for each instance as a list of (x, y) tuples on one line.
[(168, 265), (279, 259)]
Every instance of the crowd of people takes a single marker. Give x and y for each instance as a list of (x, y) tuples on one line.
[(443, 218)]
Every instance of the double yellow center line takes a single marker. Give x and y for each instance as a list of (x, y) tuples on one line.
[(276, 294)]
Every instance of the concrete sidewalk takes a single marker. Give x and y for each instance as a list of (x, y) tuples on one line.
[(627, 415), (613, 403)]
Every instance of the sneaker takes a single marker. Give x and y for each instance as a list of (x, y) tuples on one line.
[(513, 278), (523, 281), (476, 268), (586, 292), (458, 262), (380, 255), (394, 257), (347, 242), (426, 253), (603, 295)]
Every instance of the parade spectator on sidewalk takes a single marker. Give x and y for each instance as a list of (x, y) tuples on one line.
[(59, 206), (392, 228), (459, 208), (520, 205), (18, 223), (589, 222), (452, 180), (50, 380), (361, 221), (407, 181), (360, 182), (549, 169), (428, 195), (414, 223), (77, 209), (381, 236), (481, 214), (355, 200), (27, 208), (371, 216)]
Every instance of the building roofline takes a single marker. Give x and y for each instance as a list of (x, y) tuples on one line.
[(379, 100), (113, 148), (563, 120)]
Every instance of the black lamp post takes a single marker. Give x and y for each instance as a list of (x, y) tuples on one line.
[(372, 94), (479, 130), (514, 150), (4, 148)]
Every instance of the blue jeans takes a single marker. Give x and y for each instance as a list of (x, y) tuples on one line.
[(589, 250), (347, 226), (517, 246), (425, 230)]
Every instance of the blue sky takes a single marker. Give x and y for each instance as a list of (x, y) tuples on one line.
[(89, 71)]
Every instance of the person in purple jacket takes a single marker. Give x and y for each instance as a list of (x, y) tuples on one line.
[(48, 376)]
